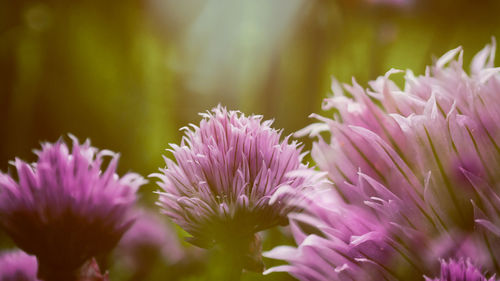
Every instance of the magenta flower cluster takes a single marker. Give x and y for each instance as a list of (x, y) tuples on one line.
[(406, 188), (416, 174)]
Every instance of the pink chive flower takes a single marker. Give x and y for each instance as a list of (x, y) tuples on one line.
[(460, 270), (17, 266), (64, 209), (222, 184), (420, 161)]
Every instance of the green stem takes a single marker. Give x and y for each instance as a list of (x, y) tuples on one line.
[(235, 253), (229, 264)]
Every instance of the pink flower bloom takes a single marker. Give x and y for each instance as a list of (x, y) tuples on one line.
[(17, 266), (414, 160), (64, 209), (222, 185)]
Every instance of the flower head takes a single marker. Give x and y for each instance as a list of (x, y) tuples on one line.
[(17, 266), (461, 270), (422, 161), (63, 209), (222, 185)]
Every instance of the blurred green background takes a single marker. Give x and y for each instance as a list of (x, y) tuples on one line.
[(128, 74)]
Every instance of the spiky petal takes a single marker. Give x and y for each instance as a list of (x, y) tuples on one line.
[(460, 270), (344, 237)]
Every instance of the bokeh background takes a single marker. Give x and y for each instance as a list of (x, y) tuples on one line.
[(128, 74)]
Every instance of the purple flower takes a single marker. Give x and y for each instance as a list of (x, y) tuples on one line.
[(421, 162), (17, 266), (222, 185), (64, 209), (461, 270)]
